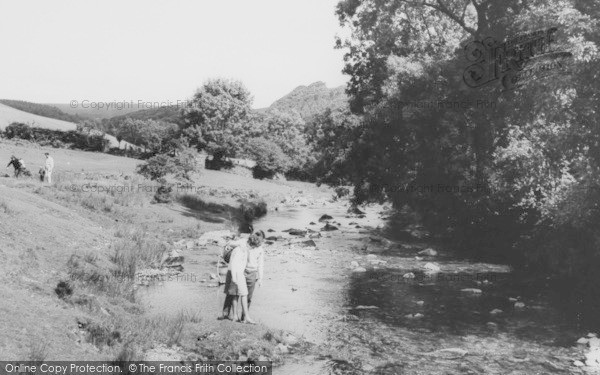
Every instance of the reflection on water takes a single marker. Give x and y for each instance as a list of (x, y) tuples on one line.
[(446, 306)]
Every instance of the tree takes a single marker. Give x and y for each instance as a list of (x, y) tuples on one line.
[(523, 173), (286, 130), (269, 158), (154, 136), (180, 165), (214, 120), (330, 136)]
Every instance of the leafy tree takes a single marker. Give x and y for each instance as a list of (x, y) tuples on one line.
[(181, 165), (330, 136), (286, 130), (527, 166), (214, 120), (269, 158), (156, 167), (155, 136)]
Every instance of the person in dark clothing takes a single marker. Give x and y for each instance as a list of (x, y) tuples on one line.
[(16, 165)]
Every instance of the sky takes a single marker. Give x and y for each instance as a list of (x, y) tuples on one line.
[(60, 51)]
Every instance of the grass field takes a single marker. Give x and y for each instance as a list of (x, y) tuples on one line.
[(63, 232), (9, 115)]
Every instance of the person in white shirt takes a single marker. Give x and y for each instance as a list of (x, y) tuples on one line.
[(49, 167), (223, 261), (235, 284)]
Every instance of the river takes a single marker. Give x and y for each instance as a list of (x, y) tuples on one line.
[(468, 317)]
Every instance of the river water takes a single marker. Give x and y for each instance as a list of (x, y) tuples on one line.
[(377, 318)]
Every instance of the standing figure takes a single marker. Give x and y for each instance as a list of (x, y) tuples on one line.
[(49, 167), (255, 265)]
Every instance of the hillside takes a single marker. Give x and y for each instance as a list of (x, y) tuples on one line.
[(9, 115), (95, 113), (312, 99), (167, 114), (45, 110)]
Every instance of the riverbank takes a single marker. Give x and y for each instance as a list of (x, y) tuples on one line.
[(341, 294)]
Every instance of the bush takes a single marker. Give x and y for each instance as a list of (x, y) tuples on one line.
[(180, 165), (57, 138), (164, 193), (217, 162), (18, 130), (268, 156), (156, 167)]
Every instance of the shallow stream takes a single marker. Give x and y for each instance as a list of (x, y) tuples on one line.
[(317, 294)]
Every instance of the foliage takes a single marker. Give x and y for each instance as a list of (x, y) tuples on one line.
[(214, 119), (517, 178), (180, 164), (154, 136), (330, 136), (18, 130), (57, 138), (268, 156), (169, 114), (156, 167)]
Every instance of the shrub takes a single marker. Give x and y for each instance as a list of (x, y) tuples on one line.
[(164, 193), (57, 138), (156, 167), (18, 130), (268, 156), (180, 165), (217, 162)]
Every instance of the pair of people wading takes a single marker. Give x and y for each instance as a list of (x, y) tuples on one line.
[(244, 272)]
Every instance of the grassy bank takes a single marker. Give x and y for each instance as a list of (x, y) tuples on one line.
[(74, 249)]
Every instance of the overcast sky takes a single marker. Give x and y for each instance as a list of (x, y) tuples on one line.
[(58, 51)]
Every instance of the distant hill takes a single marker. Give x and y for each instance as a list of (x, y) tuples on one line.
[(95, 113), (311, 100), (167, 114), (9, 115), (44, 110)]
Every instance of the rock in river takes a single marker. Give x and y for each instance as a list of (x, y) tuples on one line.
[(296, 232), (328, 227), (325, 218), (428, 252)]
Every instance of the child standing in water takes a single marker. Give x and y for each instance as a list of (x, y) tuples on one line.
[(235, 283)]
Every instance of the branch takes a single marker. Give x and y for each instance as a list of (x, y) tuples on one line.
[(444, 9)]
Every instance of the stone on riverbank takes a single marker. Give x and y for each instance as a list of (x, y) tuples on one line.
[(471, 290), (217, 237), (355, 211), (328, 228), (307, 243), (431, 268), (359, 269), (428, 252), (174, 260)]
